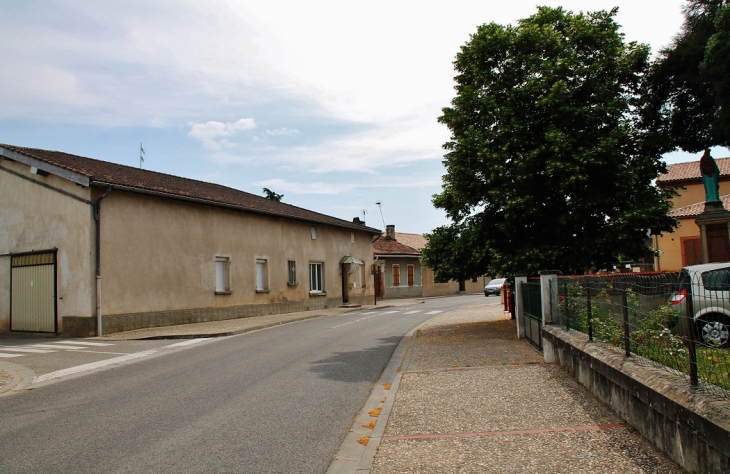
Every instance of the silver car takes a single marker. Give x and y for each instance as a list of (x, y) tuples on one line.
[(494, 287), (709, 286)]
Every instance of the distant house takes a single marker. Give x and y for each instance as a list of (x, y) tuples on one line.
[(85, 240), (683, 247), (398, 256)]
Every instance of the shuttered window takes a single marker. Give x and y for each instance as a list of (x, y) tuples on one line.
[(410, 275), (222, 277), (396, 275), (261, 277)]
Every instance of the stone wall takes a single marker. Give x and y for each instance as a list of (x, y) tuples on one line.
[(689, 426), (86, 326)]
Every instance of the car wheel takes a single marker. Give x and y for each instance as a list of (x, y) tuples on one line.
[(714, 330)]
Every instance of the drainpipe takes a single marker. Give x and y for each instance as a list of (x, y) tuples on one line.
[(97, 218)]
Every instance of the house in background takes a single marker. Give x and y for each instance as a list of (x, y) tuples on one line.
[(85, 241), (403, 251), (683, 247)]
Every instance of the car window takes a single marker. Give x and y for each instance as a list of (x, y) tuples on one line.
[(497, 281), (717, 280)]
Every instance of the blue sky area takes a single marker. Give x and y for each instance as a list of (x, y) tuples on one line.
[(333, 104)]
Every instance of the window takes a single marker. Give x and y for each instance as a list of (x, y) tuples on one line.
[(222, 275), (717, 280), (410, 275), (352, 237), (396, 275), (314, 233), (262, 278), (316, 280), (292, 269)]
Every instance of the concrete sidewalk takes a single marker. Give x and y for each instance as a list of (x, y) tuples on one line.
[(471, 397)]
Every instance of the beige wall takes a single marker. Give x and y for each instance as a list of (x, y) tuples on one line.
[(430, 288), (37, 218), (694, 193), (670, 245), (159, 254)]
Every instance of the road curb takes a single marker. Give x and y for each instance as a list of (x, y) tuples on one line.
[(22, 377), (353, 457)]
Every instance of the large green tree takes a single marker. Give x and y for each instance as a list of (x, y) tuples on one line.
[(688, 101), (548, 166)]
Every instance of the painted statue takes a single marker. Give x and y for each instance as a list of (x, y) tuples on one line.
[(710, 177)]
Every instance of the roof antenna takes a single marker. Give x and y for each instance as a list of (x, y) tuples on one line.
[(141, 155), (363, 212), (380, 206)]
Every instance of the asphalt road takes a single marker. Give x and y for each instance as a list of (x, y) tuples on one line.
[(275, 400)]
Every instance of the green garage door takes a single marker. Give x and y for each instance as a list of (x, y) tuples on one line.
[(33, 294)]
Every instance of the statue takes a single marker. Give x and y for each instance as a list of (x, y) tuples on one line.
[(710, 177)]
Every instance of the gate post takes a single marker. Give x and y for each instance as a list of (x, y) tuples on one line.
[(549, 293), (520, 278)]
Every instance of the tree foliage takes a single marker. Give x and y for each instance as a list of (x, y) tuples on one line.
[(269, 194), (688, 100), (548, 166)]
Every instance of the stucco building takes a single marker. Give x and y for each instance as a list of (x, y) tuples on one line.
[(85, 241), (683, 247), (398, 254)]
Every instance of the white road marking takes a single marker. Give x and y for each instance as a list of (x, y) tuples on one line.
[(85, 343), (92, 366), (413, 312), (7, 356), (49, 346), (390, 312), (26, 349), (369, 312), (188, 342), (353, 322), (434, 312)]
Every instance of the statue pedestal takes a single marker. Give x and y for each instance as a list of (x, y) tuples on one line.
[(714, 224)]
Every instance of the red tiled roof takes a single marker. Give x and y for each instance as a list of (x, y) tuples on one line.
[(105, 173), (387, 246), (690, 171), (694, 210), (417, 241)]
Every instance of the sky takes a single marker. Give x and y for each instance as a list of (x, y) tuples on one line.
[(333, 104)]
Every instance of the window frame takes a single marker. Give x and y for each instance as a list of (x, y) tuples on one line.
[(318, 278), (262, 275), (222, 265), (411, 271), (291, 269)]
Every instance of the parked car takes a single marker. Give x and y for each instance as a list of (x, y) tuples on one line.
[(709, 286), (494, 287)]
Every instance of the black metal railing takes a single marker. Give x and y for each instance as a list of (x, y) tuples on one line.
[(678, 321)]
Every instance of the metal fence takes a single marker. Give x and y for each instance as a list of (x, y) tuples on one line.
[(675, 321)]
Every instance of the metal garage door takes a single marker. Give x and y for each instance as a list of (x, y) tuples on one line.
[(33, 292)]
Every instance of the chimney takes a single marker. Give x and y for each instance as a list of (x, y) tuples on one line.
[(390, 231), (357, 220)]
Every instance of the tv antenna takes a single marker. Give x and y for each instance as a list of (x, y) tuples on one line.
[(141, 155), (380, 206)]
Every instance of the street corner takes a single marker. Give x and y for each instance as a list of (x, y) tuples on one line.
[(14, 377)]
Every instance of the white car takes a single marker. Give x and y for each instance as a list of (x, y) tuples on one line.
[(709, 286)]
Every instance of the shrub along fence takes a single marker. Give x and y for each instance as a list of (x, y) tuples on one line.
[(674, 321)]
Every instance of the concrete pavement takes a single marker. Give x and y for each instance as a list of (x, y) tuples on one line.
[(465, 395)]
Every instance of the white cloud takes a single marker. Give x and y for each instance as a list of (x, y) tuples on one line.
[(207, 132), (283, 131)]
